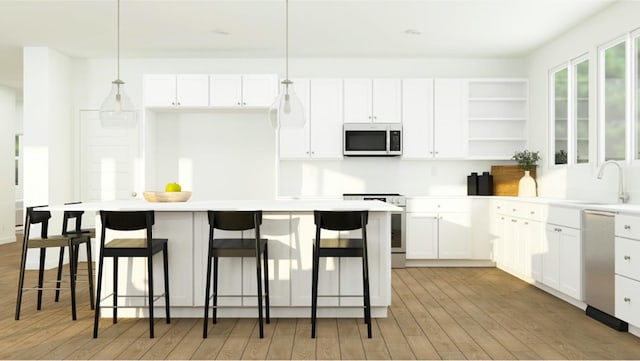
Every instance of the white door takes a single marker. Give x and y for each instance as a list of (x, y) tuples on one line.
[(225, 90), (387, 100), (551, 257), (259, 90), (422, 235), (417, 118), (358, 101), (109, 160), (450, 129), (294, 142), (160, 90), (454, 236), (192, 90), (325, 118), (570, 248)]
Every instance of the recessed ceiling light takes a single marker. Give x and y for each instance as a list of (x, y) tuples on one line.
[(219, 32), (412, 32)]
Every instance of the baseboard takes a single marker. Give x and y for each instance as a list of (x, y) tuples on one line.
[(449, 263), (6, 240)]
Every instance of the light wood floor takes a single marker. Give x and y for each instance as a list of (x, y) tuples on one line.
[(437, 313)]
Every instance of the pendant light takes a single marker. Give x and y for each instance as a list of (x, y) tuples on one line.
[(287, 110), (117, 110)]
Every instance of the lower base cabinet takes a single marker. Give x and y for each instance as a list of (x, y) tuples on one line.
[(562, 261), (438, 236), (627, 300)]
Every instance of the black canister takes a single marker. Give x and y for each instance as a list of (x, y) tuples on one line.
[(472, 184), (485, 184)]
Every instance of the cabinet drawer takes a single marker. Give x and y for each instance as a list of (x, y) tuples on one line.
[(627, 300), (532, 211), (628, 226), (627, 258), (564, 216), (438, 205), (501, 207)]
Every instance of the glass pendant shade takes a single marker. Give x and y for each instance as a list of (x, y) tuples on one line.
[(117, 110), (287, 110)]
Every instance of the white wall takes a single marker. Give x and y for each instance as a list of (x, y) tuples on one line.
[(92, 79), (578, 182), (7, 164), (48, 138)]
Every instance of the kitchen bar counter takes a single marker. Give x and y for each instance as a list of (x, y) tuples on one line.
[(289, 226)]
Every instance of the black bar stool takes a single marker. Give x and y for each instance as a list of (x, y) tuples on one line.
[(81, 236), (131, 247), (236, 247), (42, 217), (340, 247)]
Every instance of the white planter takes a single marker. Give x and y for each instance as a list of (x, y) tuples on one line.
[(527, 186)]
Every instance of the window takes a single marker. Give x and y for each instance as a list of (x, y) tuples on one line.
[(560, 105), (613, 104), (636, 46), (581, 110)]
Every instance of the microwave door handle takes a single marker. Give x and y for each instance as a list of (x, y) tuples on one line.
[(388, 149)]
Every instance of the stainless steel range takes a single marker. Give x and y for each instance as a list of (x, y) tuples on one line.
[(398, 236)]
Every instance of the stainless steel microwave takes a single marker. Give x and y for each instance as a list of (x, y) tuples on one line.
[(372, 139)]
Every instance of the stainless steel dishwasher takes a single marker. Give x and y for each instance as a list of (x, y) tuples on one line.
[(598, 235)]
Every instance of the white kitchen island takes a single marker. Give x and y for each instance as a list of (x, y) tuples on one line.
[(289, 226)]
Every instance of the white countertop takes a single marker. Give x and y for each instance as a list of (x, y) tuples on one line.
[(231, 205)]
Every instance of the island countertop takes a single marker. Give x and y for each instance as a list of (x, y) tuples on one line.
[(287, 205)]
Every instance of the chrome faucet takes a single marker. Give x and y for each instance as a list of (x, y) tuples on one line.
[(622, 196)]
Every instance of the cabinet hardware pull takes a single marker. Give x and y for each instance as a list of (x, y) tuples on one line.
[(626, 226), (514, 220), (526, 223), (514, 209), (627, 299), (627, 258), (173, 103), (239, 103), (532, 212), (178, 103)]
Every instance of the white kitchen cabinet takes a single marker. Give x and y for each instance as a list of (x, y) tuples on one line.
[(438, 228), (422, 235), (562, 261), (627, 268), (233, 90), (496, 117), (168, 90), (372, 100), (321, 136), (417, 118), (450, 130)]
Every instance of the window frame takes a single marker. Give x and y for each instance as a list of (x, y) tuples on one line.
[(572, 157), (552, 115)]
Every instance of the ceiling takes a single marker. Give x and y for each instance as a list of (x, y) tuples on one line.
[(255, 28)]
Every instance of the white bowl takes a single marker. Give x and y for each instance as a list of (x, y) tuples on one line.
[(152, 196)]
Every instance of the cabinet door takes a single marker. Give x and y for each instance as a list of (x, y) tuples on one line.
[(387, 100), (259, 90), (358, 101), (417, 118), (570, 246), (499, 234), (454, 236), (326, 118), (551, 257), (294, 142), (627, 300), (535, 234), (450, 129), (192, 90), (422, 235), (160, 90), (225, 90), (510, 244)]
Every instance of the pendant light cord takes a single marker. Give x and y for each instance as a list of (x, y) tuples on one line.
[(286, 39), (118, 41)]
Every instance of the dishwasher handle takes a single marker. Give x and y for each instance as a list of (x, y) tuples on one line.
[(600, 213)]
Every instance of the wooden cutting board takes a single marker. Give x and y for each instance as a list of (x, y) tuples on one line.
[(506, 179)]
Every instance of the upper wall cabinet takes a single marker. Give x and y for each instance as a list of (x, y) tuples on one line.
[(497, 117), (450, 129), (255, 90), (377, 100), (188, 90), (417, 118)]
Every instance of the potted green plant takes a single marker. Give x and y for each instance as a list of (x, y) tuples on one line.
[(527, 161)]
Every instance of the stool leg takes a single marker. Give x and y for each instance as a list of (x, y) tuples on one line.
[(165, 256), (115, 290), (266, 280), (367, 298), (90, 274), (259, 282), (150, 278), (314, 292), (215, 290), (43, 253), (72, 278), (59, 278), (207, 296), (98, 289), (23, 262)]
